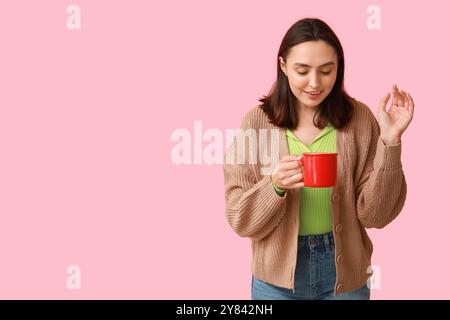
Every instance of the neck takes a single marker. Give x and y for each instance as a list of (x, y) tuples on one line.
[(306, 115)]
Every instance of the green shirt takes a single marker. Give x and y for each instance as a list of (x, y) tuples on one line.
[(315, 205)]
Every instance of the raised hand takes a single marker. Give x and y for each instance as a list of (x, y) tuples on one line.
[(393, 122)]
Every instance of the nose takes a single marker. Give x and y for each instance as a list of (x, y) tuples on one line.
[(314, 81)]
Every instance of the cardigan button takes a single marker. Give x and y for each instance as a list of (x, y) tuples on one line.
[(340, 258), (335, 197), (338, 228), (339, 287)]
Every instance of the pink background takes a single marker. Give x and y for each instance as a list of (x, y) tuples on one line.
[(86, 118)]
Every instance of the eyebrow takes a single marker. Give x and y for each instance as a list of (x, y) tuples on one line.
[(299, 64)]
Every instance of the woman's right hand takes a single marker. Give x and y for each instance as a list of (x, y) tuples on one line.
[(289, 173)]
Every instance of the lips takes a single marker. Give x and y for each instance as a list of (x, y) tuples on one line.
[(313, 94)]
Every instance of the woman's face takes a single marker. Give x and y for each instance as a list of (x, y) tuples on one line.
[(311, 67)]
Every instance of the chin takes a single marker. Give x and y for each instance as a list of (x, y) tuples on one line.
[(311, 103)]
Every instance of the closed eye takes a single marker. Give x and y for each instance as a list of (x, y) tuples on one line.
[(323, 72)]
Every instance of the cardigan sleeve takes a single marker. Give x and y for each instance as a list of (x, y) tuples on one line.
[(381, 189), (253, 208)]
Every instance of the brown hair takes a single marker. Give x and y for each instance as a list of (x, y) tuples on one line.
[(280, 104)]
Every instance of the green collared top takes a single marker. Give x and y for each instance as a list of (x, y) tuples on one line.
[(315, 206)]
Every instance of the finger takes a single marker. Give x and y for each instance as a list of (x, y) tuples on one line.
[(287, 174), (291, 157), (285, 166), (296, 178), (383, 102), (286, 182), (411, 103), (394, 95), (401, 98), (407, 101), (412, 99)]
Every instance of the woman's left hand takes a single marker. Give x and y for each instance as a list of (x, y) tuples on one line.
[(395, 121)]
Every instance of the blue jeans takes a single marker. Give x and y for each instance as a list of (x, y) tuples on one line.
[(315, 275)]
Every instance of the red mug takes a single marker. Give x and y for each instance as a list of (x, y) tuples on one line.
[(319, 169)]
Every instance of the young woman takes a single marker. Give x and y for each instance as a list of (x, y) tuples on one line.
[(311, 243)]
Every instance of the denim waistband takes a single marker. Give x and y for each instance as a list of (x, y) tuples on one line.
[(318, 242)]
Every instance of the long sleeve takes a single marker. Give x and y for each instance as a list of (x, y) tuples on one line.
[(381, 190), (253, 208)]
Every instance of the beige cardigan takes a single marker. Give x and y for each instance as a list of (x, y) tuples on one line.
[(370, 192)]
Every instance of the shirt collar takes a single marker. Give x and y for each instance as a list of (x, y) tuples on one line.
[(328, 128)]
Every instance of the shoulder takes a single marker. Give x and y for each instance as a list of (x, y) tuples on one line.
[(364, 125), (256, 118), (362, 115), (360, 108)]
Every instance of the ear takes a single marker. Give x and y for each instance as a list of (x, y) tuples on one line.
[(282, 65)]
